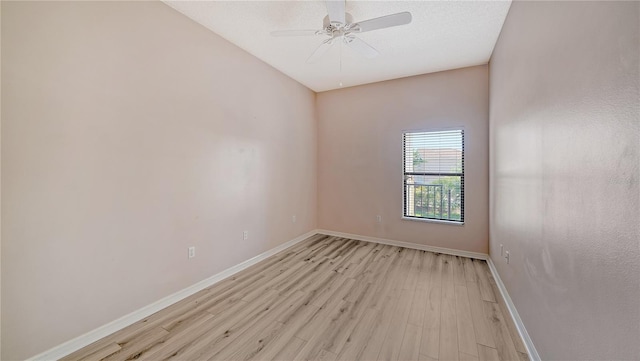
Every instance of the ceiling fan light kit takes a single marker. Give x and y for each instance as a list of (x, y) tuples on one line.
[(339, 25)]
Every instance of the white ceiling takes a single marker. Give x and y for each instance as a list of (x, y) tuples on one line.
[(443, 35)]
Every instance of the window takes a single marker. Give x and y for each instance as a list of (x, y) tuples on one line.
[(434, 175)]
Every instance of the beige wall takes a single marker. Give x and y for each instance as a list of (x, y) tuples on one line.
[(129, 133), (360, 155), (565, 173), (0, 184)]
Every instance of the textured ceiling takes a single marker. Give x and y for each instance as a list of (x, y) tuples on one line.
[(443, 35)]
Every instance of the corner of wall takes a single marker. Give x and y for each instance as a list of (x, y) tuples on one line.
[(316, 118)]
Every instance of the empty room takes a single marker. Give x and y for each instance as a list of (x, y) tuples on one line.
[(320, 180)]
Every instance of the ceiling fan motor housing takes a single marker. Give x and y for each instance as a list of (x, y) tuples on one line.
[(337, 29)]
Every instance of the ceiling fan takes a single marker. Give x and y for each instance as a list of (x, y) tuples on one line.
[(338, 25)]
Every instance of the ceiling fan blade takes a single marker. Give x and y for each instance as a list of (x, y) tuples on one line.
[(320, 51), (335, 9), (295, 32), (361, 47), (383, 22)]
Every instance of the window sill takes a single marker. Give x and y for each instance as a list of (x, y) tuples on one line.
[(427, 220)]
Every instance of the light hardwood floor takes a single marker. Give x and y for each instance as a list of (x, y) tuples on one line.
[(330, 298)]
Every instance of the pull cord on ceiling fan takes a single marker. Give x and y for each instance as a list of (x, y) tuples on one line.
[(338, 25)]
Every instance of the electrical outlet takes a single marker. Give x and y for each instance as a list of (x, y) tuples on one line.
[(293, 218), (379, 218), (192, 252), (507, 256), (245, 235)]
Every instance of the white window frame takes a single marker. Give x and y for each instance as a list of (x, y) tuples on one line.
[(463, 201)]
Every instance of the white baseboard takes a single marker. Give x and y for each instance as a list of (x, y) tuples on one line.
[(422, 247), (146, 311), (90, 337), (528, 344), (531, 350)]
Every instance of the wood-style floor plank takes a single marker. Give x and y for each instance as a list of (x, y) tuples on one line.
[(488, 353), (331, 298), (280, 341), (359, 301), (466, 333), (523, 356), (480, 323), (466, 357), (321, 318), (427, 358), (176, 340), (448, 323), (504, 344), (341, 322), (458, 271), (470, 274), (392, 343), (256, 332), (359, 265), (138, 345), (483, 282), (511, 326), (389, 300), (327, 356), (430, 345), (288, 350), (361, 334), (410, 349), (420, 298), (98, 348), (103, 352)]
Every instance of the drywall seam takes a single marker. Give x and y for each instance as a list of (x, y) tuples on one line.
[(88, 338), (422, 247), (528, 343)]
